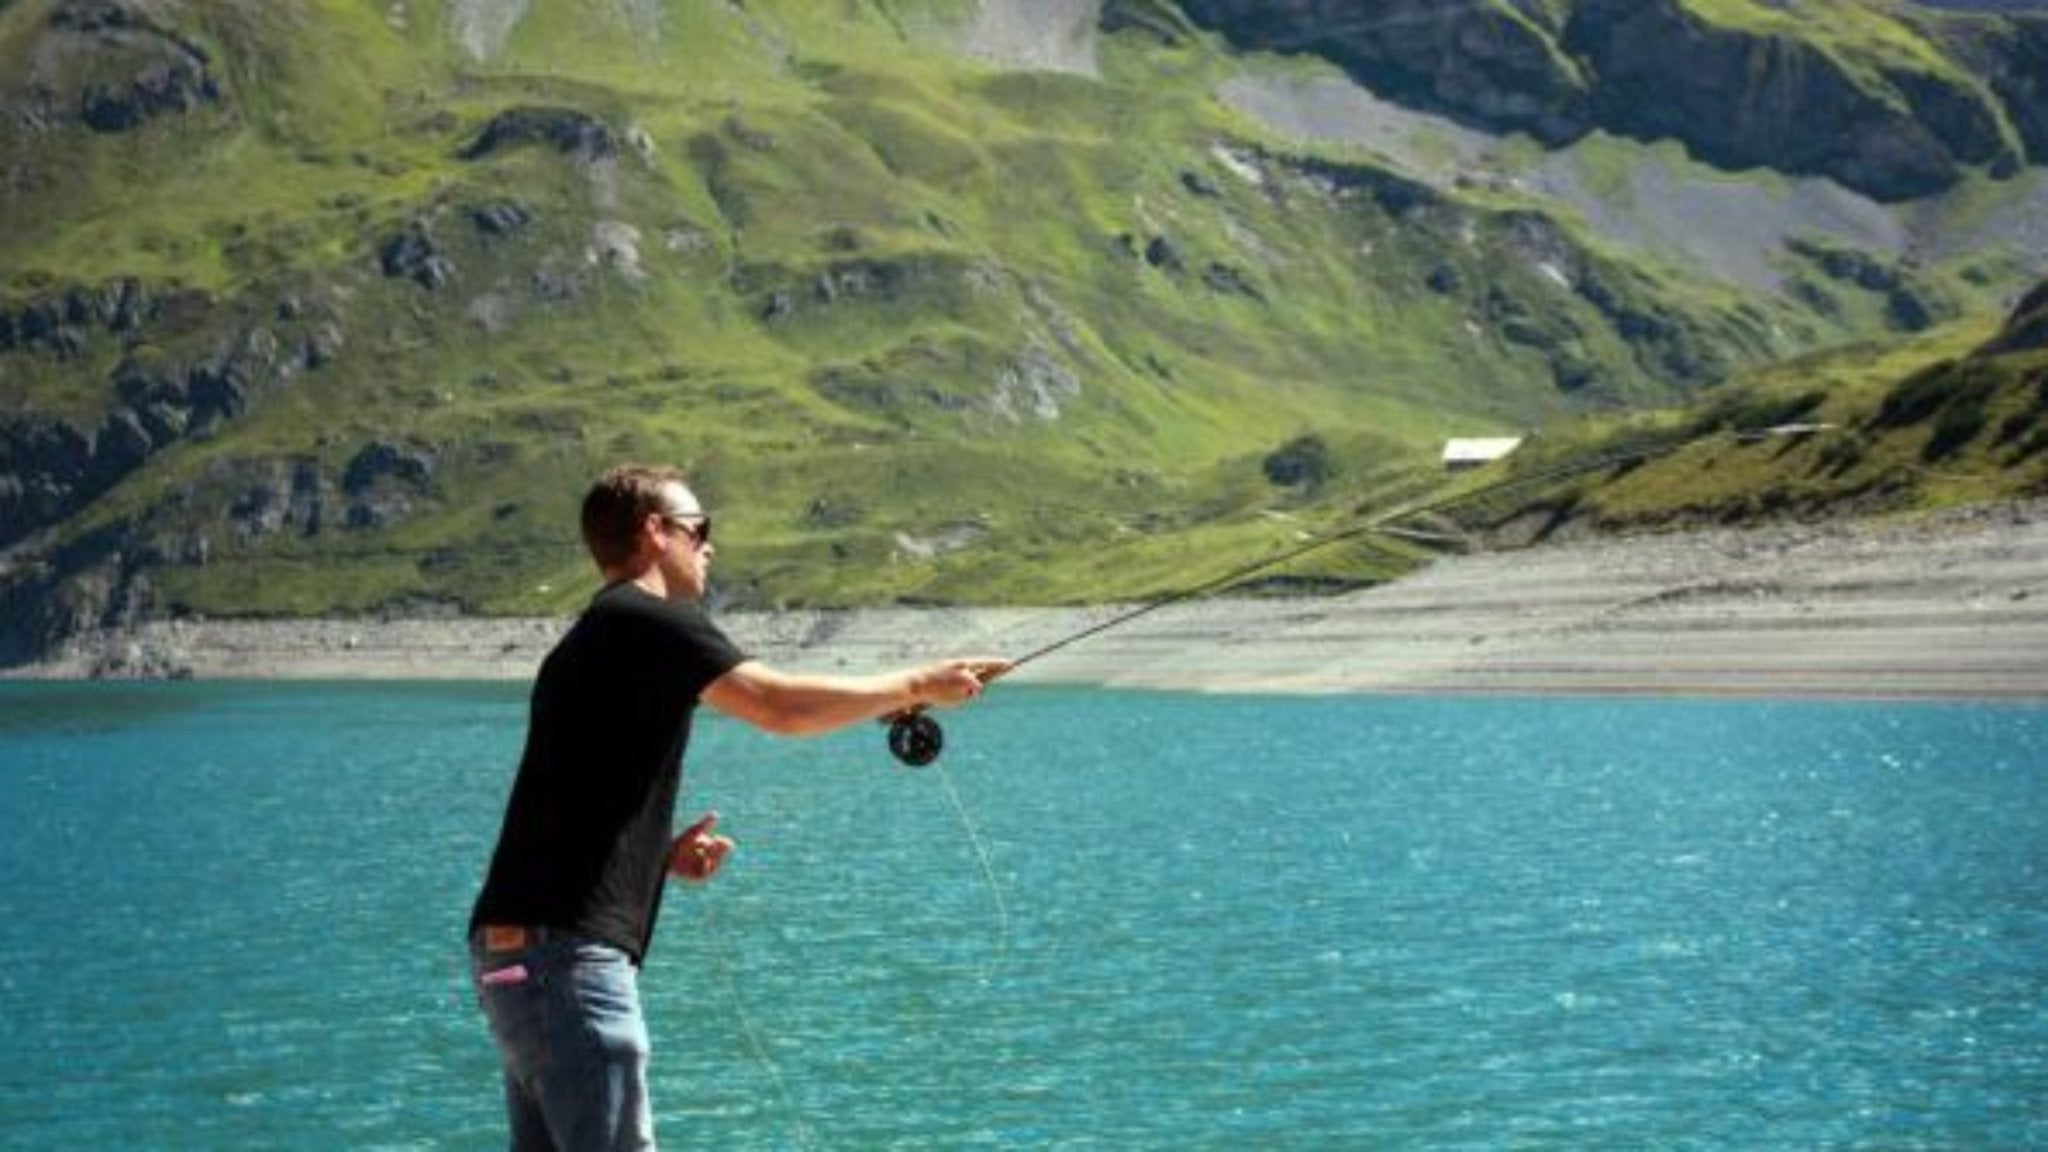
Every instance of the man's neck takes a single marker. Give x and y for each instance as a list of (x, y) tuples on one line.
[(648, 579)]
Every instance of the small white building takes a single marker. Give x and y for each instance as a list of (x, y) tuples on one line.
[(1472, 452)]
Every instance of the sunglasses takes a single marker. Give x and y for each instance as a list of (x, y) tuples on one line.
[(697, 527)]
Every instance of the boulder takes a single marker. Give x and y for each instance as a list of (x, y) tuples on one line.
[(566, 130), (1161, 253), (500, 219), (413, 255), (1304, 461), (381, 459)]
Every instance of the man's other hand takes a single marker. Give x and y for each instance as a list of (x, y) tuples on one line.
[(698, 852)]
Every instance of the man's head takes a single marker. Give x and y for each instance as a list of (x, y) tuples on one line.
[(643, 522)]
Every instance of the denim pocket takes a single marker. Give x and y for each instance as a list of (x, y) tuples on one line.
[(512, 991), (602, 989)]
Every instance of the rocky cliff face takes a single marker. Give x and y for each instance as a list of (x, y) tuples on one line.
[(182, 366), (2011, 59), (1741, 100), (1485, 62), (1895, 127)]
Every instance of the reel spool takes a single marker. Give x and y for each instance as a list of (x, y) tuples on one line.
[(915, 739)]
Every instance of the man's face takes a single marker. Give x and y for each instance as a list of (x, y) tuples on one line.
[(686, 543)]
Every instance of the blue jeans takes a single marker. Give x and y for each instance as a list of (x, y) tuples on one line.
[(565, 1013)]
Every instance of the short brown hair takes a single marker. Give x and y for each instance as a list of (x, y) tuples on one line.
[(616, 505)]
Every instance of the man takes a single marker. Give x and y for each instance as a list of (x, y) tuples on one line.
[(568, 907)]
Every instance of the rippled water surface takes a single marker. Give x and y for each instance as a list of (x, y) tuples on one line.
[(231, 918)]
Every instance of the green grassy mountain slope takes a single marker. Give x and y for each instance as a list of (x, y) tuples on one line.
[(336, 305), (1954, 417)]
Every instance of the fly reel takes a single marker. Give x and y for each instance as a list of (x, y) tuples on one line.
[(915, 739)]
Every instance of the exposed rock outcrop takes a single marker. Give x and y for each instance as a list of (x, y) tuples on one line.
[(113, 67), (566, 130), (1909, 305), (381, 479), (1739, 99), (1894, 127), (60, 323), (1477, 61), (275, 496), (500, 219), (862, 279), (163, 390), (2011, 57), (2026, 329), (97, 582), (414, 255)]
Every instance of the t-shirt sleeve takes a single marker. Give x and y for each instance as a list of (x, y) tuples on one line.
[(699, 650)]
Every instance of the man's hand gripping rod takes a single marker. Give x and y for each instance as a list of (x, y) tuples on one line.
[(915, 738)]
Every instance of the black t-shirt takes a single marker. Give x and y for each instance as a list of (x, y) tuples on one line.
[(584, 847)]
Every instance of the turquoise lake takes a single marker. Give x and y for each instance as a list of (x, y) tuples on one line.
[(232, 916)]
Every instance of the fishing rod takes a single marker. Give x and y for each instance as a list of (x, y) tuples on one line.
[(916, 738)]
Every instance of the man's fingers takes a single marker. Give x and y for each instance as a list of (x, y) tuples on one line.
[(986, 668), (697, 851), (951, 682), (710, 856), (698, 859)]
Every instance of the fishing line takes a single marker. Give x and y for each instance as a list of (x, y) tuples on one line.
[(756, 1047), (728, 979), (988, 874), (916, 739)]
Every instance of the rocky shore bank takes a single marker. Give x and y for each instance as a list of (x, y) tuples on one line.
[(1947, 605)]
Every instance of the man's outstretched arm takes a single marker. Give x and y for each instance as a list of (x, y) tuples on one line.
[(799, 704)]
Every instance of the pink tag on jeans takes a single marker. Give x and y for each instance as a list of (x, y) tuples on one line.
[(516, 974)]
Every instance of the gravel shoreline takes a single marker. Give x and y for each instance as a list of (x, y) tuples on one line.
[(1946, 605)]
